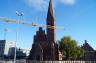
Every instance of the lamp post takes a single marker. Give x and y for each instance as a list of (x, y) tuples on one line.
[(18, 14)]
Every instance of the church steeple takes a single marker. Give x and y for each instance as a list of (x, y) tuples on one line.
[(51, 33), (45, 42), (50, 9)]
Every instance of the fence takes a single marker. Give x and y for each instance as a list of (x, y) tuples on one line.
[(61, 61), (24, 61)]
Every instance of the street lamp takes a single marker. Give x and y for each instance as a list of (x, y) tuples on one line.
[(18, 14)]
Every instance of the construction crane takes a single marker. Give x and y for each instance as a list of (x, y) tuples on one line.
[(28, 23)]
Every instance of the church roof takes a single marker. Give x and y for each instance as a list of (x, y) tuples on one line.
[(87, 47)]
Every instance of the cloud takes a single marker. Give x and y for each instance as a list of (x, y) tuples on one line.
[(42, 5), (38, 4), (69, 2)]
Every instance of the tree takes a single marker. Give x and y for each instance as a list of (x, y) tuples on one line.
[(70, 48)]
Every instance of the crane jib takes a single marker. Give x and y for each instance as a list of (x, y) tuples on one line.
[(28, 23)]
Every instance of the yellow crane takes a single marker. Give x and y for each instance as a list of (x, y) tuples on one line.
[(28, 23)]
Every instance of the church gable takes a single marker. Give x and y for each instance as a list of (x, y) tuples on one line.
[(40, 36), (87, 47)]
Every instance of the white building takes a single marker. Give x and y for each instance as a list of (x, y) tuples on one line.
[(5, 46), (7, 49)]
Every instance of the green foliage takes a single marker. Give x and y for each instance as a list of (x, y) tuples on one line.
[(70, 48)]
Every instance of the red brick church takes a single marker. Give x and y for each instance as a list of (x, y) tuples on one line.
[(44, 46)]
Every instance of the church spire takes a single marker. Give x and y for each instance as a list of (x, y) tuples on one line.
[(51, 33), (50, 9)]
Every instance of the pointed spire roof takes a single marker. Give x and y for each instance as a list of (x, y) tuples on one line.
[(51, 33), (50, 9)]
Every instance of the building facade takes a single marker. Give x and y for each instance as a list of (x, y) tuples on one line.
[(5, 46), (7, 50), (90, 53), (44, 46)]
